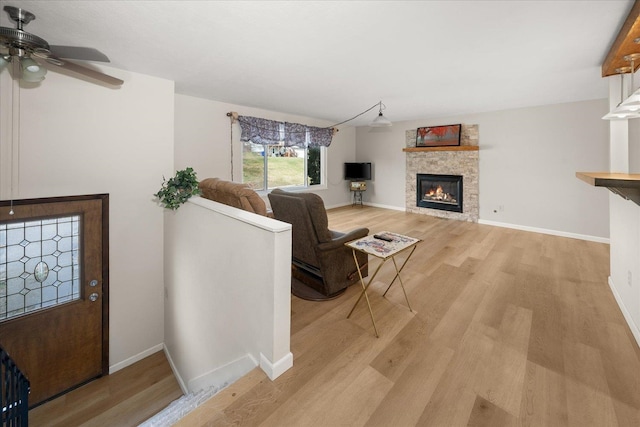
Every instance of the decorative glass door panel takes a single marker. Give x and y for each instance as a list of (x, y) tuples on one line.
[(39, 264)]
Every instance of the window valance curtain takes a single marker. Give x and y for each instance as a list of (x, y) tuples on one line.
[(271, 132)]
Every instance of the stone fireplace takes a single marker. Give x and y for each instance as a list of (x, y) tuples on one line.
[(455, 168)]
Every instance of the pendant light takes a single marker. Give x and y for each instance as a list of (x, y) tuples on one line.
[(381, 120), (617, 113), (628, 108)]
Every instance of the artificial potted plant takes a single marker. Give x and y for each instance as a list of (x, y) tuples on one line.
[(177, 190)]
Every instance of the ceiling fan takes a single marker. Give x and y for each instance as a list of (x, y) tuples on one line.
[(16, 45)]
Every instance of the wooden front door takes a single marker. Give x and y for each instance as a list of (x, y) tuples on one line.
[(54, 291)]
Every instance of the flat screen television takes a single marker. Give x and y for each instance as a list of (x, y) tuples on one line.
[(357, 171)]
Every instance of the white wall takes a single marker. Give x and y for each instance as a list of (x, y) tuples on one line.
[(80, 138), (228, 293), (528, 160), (625, 217), (634, 146), (625, 259), (383, 148), (203, 141)]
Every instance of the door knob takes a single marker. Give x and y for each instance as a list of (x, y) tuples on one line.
[(93, 297)]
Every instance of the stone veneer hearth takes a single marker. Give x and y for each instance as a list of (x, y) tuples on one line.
[(447, 162)]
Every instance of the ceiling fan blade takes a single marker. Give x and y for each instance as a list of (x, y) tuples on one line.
[(88, 72), (77, 52)]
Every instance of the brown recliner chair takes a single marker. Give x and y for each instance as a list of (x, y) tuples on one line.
[(320, 259)]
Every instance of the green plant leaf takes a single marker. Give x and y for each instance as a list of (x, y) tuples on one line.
[(178, 189)]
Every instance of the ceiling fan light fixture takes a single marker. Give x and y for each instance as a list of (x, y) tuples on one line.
[(4, 61), (24, 46), (33, 78), (32, 72), (29, 65)]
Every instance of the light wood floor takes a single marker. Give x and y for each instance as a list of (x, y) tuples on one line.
[(125, 398), (510, 328)]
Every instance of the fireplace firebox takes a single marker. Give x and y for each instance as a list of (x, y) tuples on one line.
[(442, 192)]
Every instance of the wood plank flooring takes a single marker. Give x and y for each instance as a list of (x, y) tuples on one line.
[(125, 398), (510, 328)]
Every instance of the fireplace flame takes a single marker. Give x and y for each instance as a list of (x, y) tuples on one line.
[(435, 192), (439, 194)]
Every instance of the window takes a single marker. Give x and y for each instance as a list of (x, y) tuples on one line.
[(282, 154), (281, 166)]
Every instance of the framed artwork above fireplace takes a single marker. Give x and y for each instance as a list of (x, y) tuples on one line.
[(438, 136)]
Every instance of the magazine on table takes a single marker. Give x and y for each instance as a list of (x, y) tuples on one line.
[(383, 243)]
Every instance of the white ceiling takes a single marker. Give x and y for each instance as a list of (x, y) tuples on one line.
[(334, 59)]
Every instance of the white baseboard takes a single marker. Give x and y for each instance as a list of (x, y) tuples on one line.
[(133, 359), (176, 374), (393, 208), (503, 224), (274, 370), (224, 375), (627, 316), (339, 205), (231, 372), (545, 231), (374, 205)]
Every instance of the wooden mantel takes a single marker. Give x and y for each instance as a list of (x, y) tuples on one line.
[(623, 184), (451, 148)]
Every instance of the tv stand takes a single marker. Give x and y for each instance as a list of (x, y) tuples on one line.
[(357, 188)]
